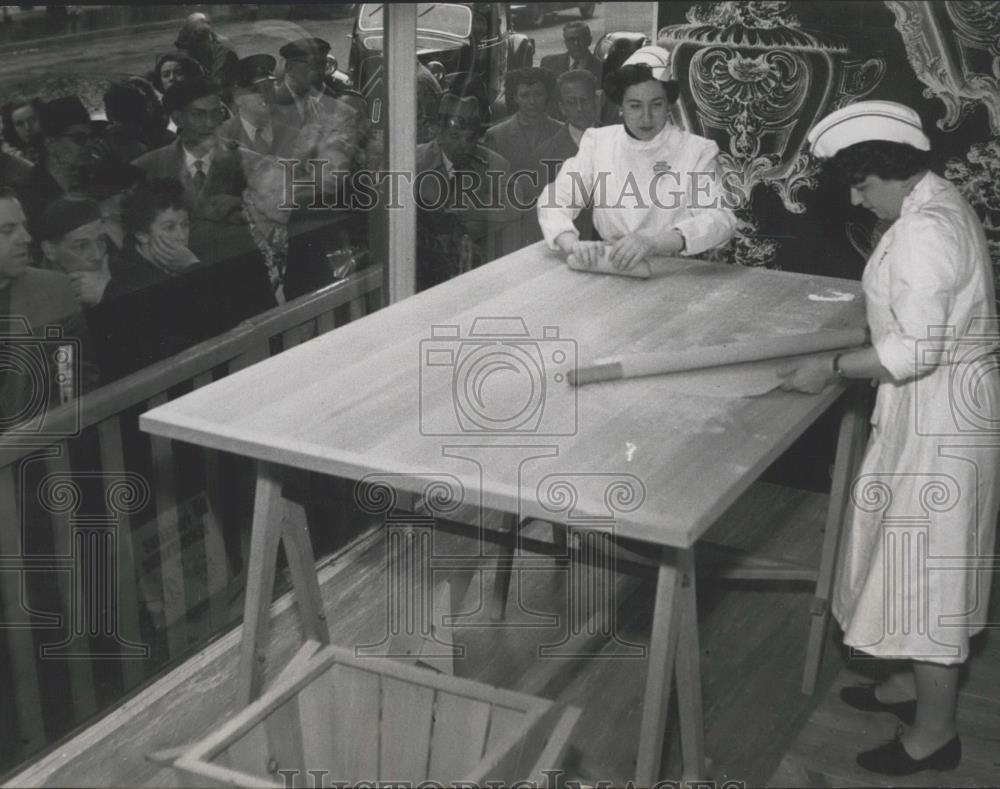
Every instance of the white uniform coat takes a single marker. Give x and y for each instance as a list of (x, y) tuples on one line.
[(653, 186), (924, 506)]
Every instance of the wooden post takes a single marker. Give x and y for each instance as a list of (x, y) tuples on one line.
[(850, 448), (401, 84)]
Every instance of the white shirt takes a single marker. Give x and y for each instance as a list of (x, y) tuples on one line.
[(251, 130), (448, 166), (649, 186), (190, 159)]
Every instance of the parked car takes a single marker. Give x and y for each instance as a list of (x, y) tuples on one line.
[(473, 41), (533, 14), (613, 49)]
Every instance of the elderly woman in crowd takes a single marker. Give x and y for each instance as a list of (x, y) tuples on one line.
[(654, 188), (929, 275)]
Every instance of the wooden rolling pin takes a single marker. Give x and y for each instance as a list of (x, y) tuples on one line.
[(659, 362)]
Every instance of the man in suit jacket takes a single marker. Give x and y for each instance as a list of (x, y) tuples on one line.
[(300, 96), (577, 92), (462, 208), (32, 300), (576, 36), (578, 101), (212, 171), (518, 137), (254, 126)]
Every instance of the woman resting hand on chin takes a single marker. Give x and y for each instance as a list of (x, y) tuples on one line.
[(655, 188)]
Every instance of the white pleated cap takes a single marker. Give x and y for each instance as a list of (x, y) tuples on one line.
[(867, 120), (657, 58)]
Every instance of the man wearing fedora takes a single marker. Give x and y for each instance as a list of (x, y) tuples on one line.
[(211, 170), (461, 192), (254, 126)]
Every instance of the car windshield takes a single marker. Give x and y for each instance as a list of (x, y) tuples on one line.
[(438, 18)]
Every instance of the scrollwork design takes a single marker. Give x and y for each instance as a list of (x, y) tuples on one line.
[(977, 22), (801, 175), (943, 59), (857, 79), (747, 95)]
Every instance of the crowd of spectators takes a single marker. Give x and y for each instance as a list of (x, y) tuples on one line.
[(170, 221)]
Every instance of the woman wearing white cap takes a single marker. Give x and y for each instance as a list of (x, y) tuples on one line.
[(655, 188), (930, 307)]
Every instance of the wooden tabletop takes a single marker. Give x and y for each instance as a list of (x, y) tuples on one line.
[(440, 389)]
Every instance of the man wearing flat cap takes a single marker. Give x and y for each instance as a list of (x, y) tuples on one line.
[(212, 170), (66, 132), (300, 93), (461, 206), (74, 242), (254, 126)]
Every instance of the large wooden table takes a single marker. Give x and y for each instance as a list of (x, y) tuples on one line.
[(421, 394)]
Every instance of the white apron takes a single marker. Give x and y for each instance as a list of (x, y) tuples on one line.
[(924, 506)]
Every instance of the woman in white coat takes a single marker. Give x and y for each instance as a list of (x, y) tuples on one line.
[(933, 451), (655, 188)]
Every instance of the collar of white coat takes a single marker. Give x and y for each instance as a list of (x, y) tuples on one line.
[(662, 138), (923, 192)]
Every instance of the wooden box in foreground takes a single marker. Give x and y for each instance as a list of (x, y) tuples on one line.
[(334, 718)]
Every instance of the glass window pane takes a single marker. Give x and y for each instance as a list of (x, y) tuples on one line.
[(176, 185)]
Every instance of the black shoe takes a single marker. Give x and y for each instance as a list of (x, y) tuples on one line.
[(862, 697), (892, 758)]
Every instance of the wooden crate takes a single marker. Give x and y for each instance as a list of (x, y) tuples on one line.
[(352, 720)]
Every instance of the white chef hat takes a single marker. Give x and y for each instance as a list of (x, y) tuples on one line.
[(657, 58), (867, 120)]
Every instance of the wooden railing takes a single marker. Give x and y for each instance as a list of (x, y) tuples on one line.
[(98, 531)]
